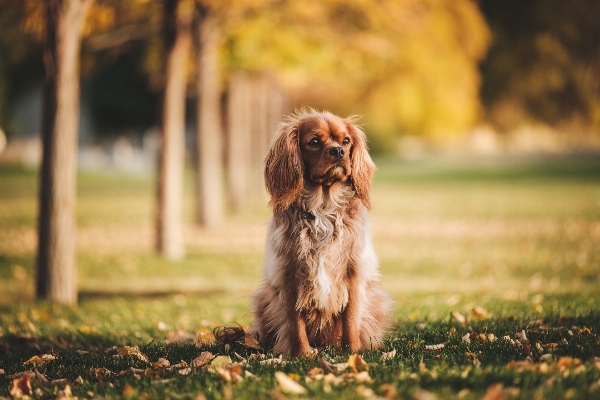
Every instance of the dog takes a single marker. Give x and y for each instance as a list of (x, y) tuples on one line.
[(321, 273)]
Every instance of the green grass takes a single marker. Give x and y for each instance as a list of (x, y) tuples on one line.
[(518, 238)]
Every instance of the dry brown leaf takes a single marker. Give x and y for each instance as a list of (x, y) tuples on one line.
[(274, 361), (39, 360), (365, 392), (204, 338), (134, 371), (357, 364), (21, 386), (250, 375), (133, 351), (327, 366), (102, 372), (388, 391), (162, 363), (65, 393), (251, 342), (455, 315), (40, 378), (362, 377), (288, 385), (389, 355), (480, 312), (223, 373), (202, 359), (466, 338), (184, 371), (438, 346), (568, 362), (229, 334), (314, 374), (128, 390), (494, 392)]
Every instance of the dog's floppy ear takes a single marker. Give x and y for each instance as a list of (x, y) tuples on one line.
[(363, 167), (284, 169)]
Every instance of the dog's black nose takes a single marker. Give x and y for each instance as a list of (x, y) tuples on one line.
[(336, 152)]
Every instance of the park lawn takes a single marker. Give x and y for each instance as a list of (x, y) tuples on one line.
[(493, 265)]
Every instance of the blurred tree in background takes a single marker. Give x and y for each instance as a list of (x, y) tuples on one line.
[(544, 64), (414, 67)]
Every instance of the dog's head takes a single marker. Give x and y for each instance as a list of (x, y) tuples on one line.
[(317, 148)]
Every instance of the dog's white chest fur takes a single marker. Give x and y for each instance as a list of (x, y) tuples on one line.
[(325, 256)]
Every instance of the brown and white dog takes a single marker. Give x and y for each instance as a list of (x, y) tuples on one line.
[(321, 274)]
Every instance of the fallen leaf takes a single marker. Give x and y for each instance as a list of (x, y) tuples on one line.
[(220, 362), (480, 312), (362, 377), (250, 375), (39, 360), (274, 361), (357, 364), (229, 334), (568, 362), (102, 372), (65, 393), (288, 385), (466, 338), (202, 359), (223, 373), (389, 355), (251, 342), (458, 317), (184, 371), (205, 338), (314, 374), (128, 390), (162, 362), (521, 335), (21, 386), (422, 394), (133, 351), (388, 391), (327, 366), (40, 378), (435, 346), (585, 329), (365, 392), (494, 392)]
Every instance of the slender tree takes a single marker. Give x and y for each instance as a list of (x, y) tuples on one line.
[(209, 207), (56, 268), (178, 19)]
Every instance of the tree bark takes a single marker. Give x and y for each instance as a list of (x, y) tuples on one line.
[(239, 143), (170, 241), (209, 206), (56, 269)]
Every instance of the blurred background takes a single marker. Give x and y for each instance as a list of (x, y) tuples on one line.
[(484, 75), (483, 117)]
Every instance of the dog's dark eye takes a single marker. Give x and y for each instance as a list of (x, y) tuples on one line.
[(346, 142), (314, 142)]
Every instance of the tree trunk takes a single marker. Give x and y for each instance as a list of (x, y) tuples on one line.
[(56, 270), (209, 207), (255, 108), (239, 140), (169, 227)]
